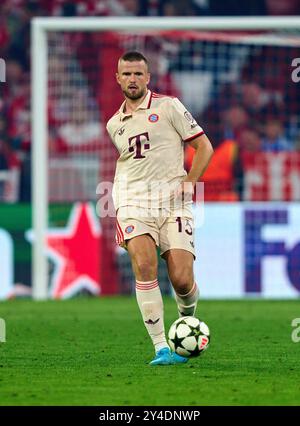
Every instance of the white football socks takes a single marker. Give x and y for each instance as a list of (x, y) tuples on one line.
[(151, 306), (187, 303)]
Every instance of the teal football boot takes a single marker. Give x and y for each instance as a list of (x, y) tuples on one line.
[(165, 357)]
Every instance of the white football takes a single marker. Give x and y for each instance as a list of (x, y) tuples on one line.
[(188, 336)]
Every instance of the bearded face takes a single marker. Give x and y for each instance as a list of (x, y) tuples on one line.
[(133, 77)]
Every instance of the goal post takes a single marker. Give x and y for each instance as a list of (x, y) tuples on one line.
[(40, 30), (39, 184)]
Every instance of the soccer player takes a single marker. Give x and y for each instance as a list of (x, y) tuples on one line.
[(149, 131)]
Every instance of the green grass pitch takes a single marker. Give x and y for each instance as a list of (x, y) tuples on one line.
[(95, 351)]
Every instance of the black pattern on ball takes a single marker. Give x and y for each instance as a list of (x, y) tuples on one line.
[(189, 336)]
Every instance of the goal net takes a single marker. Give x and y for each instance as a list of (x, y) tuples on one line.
[(240, 84)]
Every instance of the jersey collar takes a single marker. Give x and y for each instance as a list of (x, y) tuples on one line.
[(144, 105)]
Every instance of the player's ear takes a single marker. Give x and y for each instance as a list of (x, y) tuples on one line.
[(118, 78), (148, 77)]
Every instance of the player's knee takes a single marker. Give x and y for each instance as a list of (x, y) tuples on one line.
[(145, 270), (182, 280)]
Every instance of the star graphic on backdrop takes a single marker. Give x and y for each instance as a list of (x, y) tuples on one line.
[(76, 252)]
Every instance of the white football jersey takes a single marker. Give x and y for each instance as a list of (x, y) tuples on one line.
[(150, 142)]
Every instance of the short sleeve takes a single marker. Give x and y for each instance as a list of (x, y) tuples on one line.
[(108, 129), (110, 134), (183, 121)]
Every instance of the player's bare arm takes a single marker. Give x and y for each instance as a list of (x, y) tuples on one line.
[(203, 153)]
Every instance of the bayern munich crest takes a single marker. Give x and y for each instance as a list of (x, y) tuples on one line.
[(129, 229), (153, 118)]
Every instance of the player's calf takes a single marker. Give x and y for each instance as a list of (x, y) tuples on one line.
[(187, 303)]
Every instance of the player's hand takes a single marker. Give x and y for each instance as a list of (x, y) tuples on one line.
[(185, 191)]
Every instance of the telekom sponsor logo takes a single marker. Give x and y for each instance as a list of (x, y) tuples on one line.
[(137, 145)]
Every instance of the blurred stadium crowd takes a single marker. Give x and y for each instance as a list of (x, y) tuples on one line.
[(261, 116)]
